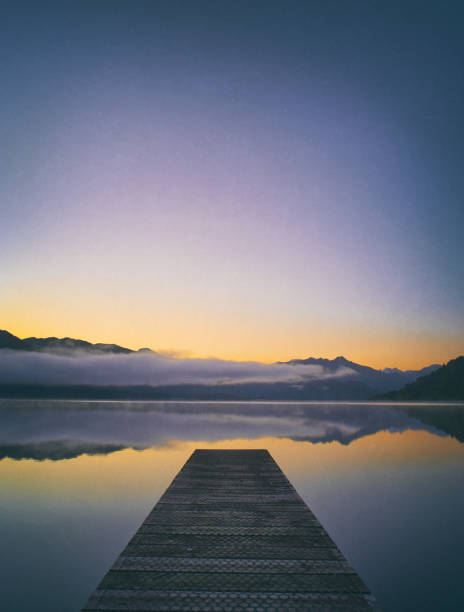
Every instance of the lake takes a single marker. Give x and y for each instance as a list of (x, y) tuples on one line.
[(77, 479)]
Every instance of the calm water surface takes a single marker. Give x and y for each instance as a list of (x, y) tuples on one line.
[(77, 478)]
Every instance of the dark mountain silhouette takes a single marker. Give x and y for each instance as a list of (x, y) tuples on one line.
[(60, 346), (317, 390), (383, 380), (9, 341), (324, 390), (444, 384), (340, 379)]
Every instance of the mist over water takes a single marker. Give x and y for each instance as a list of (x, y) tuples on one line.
[(79, 477)]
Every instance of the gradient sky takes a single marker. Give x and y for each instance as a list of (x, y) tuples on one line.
[(249, 180)]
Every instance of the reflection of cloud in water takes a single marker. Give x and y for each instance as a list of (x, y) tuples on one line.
[(57, 429), (56, 449)]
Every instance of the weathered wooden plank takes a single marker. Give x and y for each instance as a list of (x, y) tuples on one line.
[(188, 601), (267, 566), (231, 533)]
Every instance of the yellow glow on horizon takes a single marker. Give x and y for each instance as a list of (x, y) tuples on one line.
[(237, 340), (233, 331)]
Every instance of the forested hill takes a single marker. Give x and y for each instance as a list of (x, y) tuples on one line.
[(445, 384)]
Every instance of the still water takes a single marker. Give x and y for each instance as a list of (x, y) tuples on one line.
[(77, 479)]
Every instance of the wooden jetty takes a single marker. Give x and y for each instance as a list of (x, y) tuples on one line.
[(231, 533)]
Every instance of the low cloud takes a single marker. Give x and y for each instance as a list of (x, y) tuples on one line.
[(148, 369)]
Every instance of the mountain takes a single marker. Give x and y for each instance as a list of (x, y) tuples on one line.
[(385, 380), (326, 390), (9, 341), (337, 379), (444, 384), (60, 346)]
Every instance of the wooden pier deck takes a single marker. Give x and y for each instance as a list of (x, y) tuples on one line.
[(231, 533)]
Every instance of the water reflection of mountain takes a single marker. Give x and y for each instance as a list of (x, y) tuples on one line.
[(56, 449), (446, 418), (62, 430)]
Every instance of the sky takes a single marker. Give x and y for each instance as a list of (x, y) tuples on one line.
[(242, 180)]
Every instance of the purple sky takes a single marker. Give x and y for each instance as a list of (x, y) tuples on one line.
[(249, 180)]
